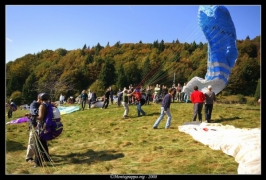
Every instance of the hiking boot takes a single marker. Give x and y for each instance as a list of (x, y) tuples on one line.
[(155, 128)]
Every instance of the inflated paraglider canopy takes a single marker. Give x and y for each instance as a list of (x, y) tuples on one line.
[(219, 30)]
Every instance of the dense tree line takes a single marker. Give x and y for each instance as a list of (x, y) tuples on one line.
[(71, 71)]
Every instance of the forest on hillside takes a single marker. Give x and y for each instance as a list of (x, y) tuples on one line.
[(98, 67)]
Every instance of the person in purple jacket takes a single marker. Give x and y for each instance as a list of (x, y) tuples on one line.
[(165, 109)]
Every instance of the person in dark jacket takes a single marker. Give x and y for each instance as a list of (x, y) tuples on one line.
[(106, 99), (111, 95), (92, 99), (210, 99), (84, 99), (165, 109)]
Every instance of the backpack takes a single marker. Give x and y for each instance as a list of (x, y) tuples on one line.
[(53, 126)]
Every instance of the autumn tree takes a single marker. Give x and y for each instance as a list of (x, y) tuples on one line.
[(121, 78), (108, 74), (29, 90)]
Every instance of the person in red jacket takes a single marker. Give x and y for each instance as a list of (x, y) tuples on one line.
[(138, 97), (197, 98)]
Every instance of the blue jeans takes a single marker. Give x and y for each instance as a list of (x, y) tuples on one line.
[(168, 122), (185, 98), (139, 109)]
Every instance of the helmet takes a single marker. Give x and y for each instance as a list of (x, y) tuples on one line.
[(44, 96)]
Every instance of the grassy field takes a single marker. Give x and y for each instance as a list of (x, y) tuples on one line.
[(99, 141)]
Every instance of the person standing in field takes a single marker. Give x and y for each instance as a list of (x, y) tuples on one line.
[(84, 99), (157, 92), (119, 97), (125, 101), (210, 99), (136, 93), (178, 92), (185, 96), (61, 99), (165, 109), (106, 99), (111, 95), (89, 98), (197, 98), (34, 109), (174, 94), (42, 153), (148, 94)]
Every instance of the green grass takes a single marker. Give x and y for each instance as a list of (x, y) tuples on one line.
[(99, 141)]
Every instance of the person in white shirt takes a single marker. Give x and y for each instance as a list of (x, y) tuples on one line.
[(61, 99), (184, 95), (89, 98)]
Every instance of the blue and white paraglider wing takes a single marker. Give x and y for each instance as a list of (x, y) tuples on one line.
[(219, 30)]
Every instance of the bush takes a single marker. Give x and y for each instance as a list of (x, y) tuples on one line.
[(241, 99), (225, 93), (16, 96), (252, 102), (98, 88)]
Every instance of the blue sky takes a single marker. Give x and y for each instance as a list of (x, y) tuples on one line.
[(33, 28)]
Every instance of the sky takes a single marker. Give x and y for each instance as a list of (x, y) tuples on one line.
[(29, 29)]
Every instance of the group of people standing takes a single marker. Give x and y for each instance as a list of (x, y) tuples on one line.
[(160, 91), (179, 93), (126, 96), (198, 99), (89, 98), (38, 112)]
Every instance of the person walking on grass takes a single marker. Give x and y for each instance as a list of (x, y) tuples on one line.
[(111, 95), (136, 93), (106, 99), (84, 99), (165, 109), (210, 99), (126, 95), (197, 98)]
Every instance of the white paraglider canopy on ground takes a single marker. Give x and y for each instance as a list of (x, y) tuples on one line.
[(243, 144)]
